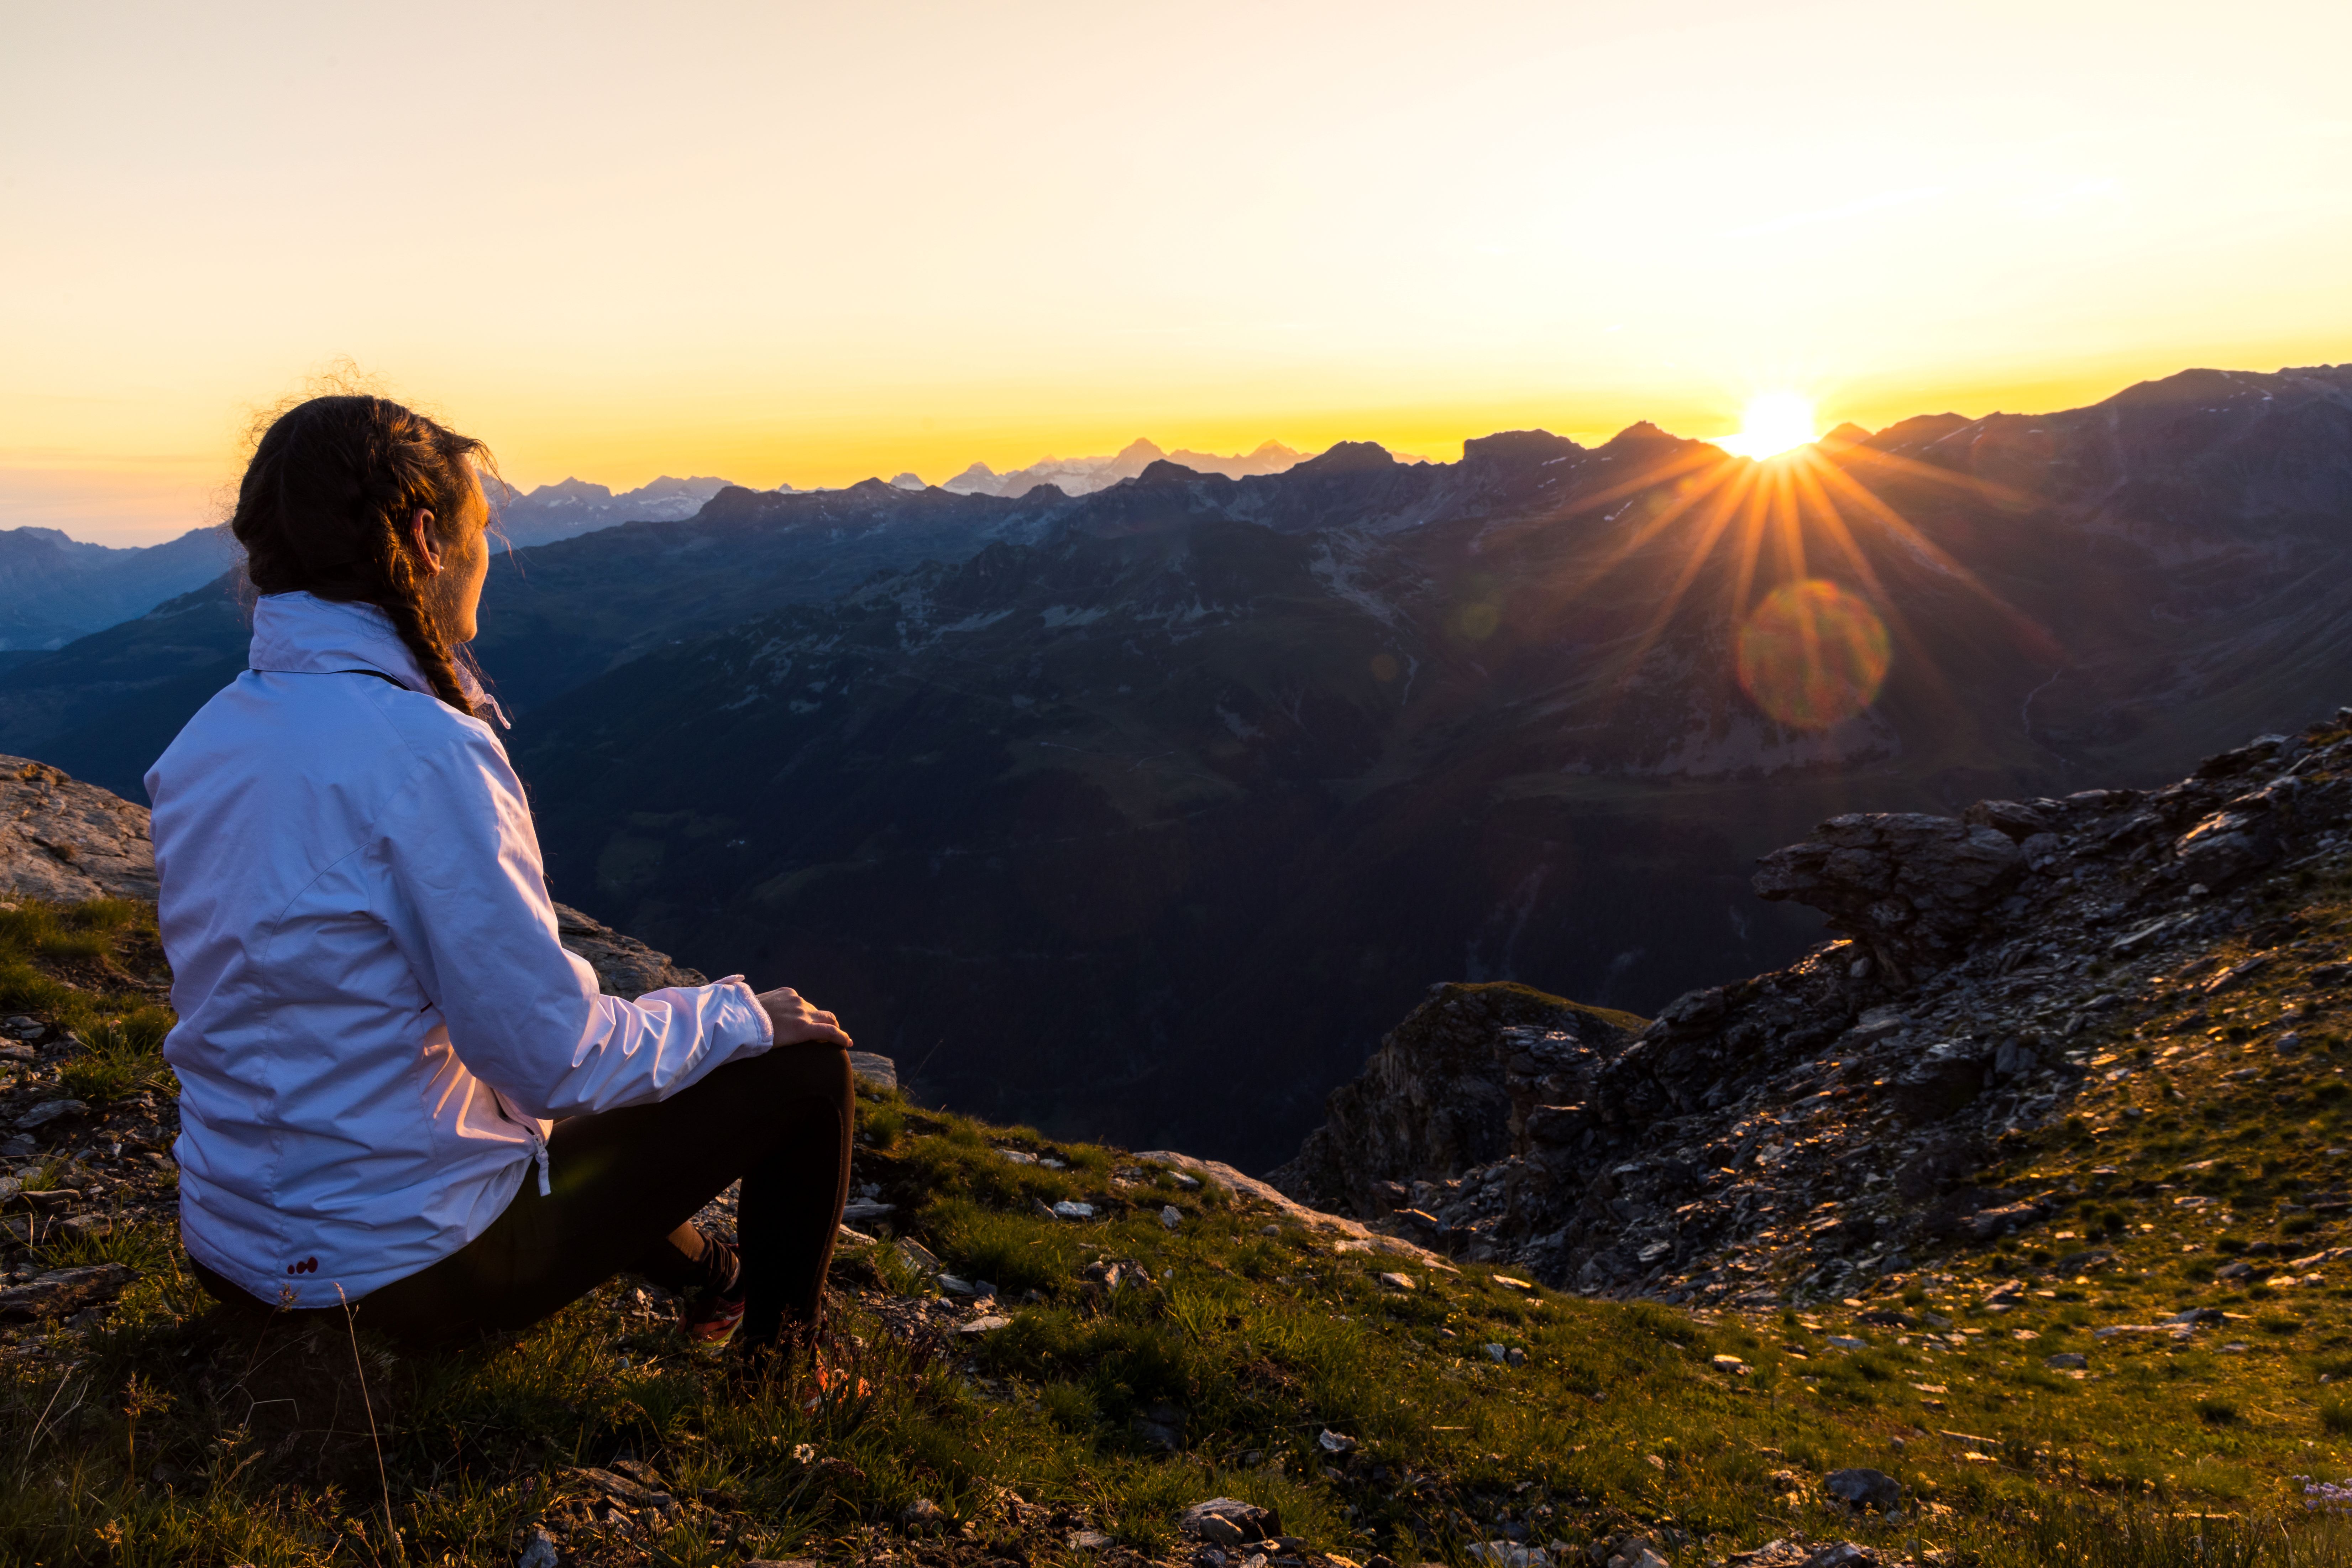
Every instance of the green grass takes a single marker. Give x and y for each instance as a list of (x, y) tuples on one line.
[(1244, 1347), (36, 936), (1256, 1343), (119, 1057)]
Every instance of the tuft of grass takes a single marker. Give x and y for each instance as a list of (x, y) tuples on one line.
[(881, 1122), (119, 1057), (150, 1250)]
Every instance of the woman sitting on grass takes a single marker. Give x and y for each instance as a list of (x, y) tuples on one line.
[(397, 1089)]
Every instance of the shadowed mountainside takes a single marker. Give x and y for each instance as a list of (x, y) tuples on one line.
[(1206, 788), (54, 588), (1080, 805)]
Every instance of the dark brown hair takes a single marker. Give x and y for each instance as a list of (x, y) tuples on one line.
[(324, 509)]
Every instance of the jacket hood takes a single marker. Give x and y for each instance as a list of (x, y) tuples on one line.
[(302, 633)]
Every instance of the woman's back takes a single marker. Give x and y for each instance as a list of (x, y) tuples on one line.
[(297, 818)]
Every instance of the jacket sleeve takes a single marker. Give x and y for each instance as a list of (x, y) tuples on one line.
[(471, 911)]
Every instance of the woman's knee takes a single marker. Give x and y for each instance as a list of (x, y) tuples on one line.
[(810, 1070)]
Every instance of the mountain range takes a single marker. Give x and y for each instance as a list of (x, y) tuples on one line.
[(54, 588), (1146, 811), (1083, 476), (574, 506)]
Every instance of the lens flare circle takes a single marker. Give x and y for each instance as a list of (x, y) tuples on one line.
[(1812, 654), (1774, 423)]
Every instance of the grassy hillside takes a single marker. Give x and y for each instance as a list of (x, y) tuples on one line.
[(1185, 1342)]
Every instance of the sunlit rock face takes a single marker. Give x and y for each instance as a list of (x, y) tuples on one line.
[(67, 841), (1792, 1134)]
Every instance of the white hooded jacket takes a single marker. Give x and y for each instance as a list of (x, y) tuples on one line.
[(376, 1020)]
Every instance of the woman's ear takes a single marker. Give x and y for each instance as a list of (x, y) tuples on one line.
[(421, 535)]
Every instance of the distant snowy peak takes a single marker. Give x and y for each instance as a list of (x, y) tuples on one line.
[(1082, 475), (1271, 458), (575, 506)]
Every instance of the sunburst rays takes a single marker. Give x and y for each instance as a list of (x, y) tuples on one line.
[(1814, 629)]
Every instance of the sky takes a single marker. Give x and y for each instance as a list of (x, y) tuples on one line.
[(811, 243)]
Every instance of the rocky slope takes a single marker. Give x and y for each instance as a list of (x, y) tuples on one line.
[(1817, 1126), (1062, 1351)]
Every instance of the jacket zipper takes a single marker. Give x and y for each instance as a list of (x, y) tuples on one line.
[(538, 1139)]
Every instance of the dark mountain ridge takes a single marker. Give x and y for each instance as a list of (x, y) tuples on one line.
[(54, 588), (555, 615), (1200, 788), (1082, 804)]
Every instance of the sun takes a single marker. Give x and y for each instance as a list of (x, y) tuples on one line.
[(1775, 422)]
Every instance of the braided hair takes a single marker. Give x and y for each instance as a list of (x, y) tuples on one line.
[(324, 509)]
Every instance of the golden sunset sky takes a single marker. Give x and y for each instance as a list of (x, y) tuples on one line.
[(811, 243)]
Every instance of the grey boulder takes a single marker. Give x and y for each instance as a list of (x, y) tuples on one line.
[(1865, 1487), (1229, 1522)]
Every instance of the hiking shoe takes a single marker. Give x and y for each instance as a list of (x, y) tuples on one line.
[(713, 1321), (715, 1310)]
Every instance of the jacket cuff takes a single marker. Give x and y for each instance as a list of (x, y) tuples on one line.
[(740, 1023)]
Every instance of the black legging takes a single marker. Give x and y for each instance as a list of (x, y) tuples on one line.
[(627, 1183)]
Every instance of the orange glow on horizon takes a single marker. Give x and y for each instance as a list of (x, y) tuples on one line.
[(188, 475), (809, 244)]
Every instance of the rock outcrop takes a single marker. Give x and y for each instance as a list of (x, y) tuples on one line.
[(1475, 1074), (1791, 1131), (1909, 888), (69, 841), (624, 965)]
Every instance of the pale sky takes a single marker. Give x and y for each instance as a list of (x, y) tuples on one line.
[(811, 243)]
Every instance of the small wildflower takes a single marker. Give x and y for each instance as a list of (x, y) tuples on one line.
[(2327, 1497)]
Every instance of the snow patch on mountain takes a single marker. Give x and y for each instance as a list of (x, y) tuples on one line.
[(572, 507), (1083, 476)]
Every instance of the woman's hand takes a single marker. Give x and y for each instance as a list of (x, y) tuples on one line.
[(797, 1022)]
